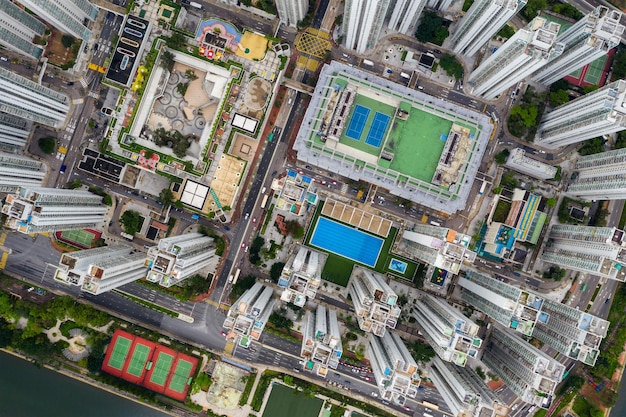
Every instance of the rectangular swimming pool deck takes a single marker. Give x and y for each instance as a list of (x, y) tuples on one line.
[(346, 241)]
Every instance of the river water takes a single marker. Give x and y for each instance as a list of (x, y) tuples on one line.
[(28, 391)]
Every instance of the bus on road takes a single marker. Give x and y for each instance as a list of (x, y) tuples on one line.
[(483, 187), (264, 202)]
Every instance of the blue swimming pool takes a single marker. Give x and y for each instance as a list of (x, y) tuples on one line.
[(346, 241)]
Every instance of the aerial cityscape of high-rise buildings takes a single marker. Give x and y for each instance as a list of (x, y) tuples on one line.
[(346, 196)]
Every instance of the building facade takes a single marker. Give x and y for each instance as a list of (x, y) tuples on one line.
[(290, 12), (441, 5), (520, 162), (362, 23), (302, 275), (481, 22), (14, 132), (530, 373), (20, 171), (601, 176), (25, 98), (464, 392), (321, 341), (587, 40), (18, 30), (394, 369), (504, 303), (247, 317), (438, 247), (375, 303), (69, 16), (405, 14), (177, 258), (528, 50), (452, 335), (595, 114), (570, 331), (102, 269), (594, 250), (39, 209)]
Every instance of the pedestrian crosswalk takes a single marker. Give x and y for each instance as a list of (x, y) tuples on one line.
[(83, 82), (94, 94)]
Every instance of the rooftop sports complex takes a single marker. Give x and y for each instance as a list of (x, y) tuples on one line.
[(151, 365), (366, 127)]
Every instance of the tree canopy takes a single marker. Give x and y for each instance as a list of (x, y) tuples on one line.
[(619, 65), (166, 197), (47, 145), (131, 221), (451, 66), (432, 28)]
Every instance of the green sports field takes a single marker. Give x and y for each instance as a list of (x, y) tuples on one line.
[(120, 350), (285, 402), (138, 360), (416, 144), (81, 237), (178, 382), (161, 368)]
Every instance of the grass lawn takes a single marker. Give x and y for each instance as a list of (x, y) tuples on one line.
[(285, 402)]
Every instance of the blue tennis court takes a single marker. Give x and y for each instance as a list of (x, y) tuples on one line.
[(346, 241), (357, 122), (377, 130)]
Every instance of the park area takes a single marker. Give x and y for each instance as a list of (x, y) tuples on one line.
[(286, 402)]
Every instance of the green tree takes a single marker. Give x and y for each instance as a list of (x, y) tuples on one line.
[(551, 202), (555, 273), (131, 221), (451, 66), (294, 228), (619, 65), (241, 286), (502, 157), (176, 41), (279, 320), (166, 197), (107, 200), (507, 31), (620, 142), (421, 352), (190, 74), (532, 9), (567, 10), (559, 97), (276, 270), (74, 184), (592, 146), (467, 4), (288, 379), (527, 114), (255, 248), (432, 28), (181, 88), (167, 60), (67, 41), (47, 145)]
